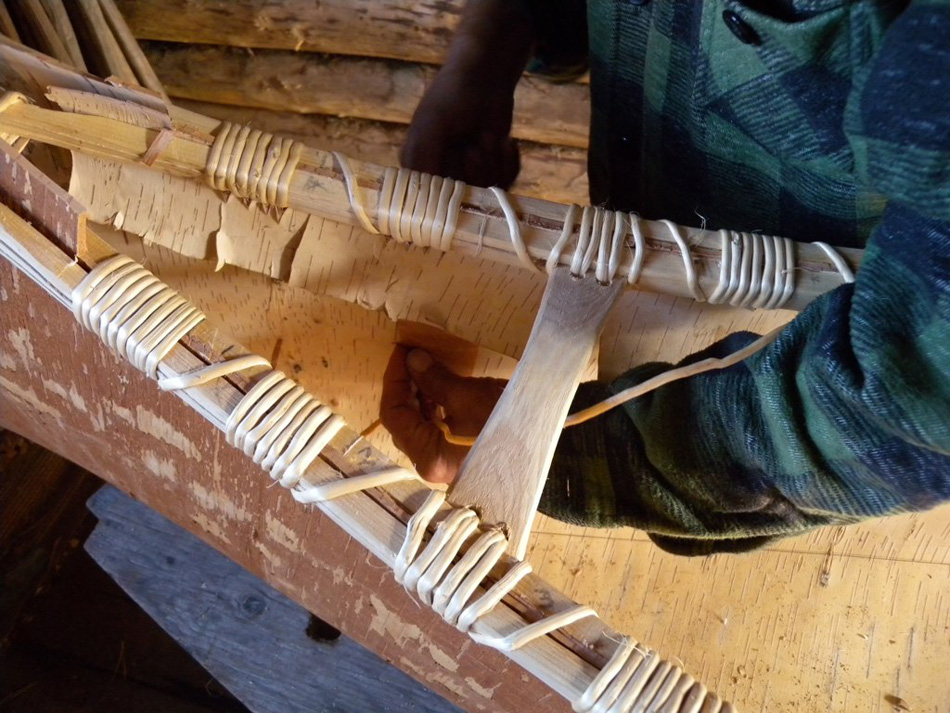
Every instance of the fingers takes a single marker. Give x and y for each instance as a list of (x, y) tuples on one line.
[(399, 412), (418, 438), (465, 400)]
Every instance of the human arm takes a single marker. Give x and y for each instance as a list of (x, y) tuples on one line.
[(846, 415), (462, 125)]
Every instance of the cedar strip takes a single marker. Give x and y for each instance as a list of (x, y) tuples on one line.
[(42, 30), (133, 53), (101, 40), (64, 27), (6, 23)]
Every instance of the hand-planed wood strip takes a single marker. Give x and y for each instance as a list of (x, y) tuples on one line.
[(555, 173), (318, 187), (503, 475), (345, 86)]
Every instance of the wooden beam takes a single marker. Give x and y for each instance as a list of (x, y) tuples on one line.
[(108, 57), (398, 29), (140, 65), (7, 27), (34, 16), (344, 86)]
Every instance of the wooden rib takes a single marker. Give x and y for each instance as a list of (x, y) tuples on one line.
[(130, 47), (41, 27), (557, 173), (318, 187), (64, 28), (6, 23), (503, 475), (102, 40)]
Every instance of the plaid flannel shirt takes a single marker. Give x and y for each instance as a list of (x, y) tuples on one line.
[(812, 119)]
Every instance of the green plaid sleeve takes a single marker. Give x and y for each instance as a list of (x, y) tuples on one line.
[(847, 415)]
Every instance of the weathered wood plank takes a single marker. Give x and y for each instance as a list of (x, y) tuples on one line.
[(398, 29), (246, 634), (345, 86)]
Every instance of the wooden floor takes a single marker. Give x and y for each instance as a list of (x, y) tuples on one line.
[(72, 640)]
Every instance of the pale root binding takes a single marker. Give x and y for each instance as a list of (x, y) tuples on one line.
[(284, 429), (756, 271), (253, 164)]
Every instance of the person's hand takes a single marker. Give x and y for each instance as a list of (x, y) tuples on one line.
[(460, 129), (415, 390)]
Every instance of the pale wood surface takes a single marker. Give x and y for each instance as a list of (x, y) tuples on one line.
[(503, 475), (354, 87), (256, 643)]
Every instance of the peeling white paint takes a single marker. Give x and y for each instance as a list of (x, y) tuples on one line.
[(275, 560), (386, 623), (481, 690), (435, 677), (211, 527), (123, 413), (280, 533), (443, 659), (341, 577), (30, 398), (7, 362), (98, 419), (161, 467), (72, 395), (165, 431), (20, 341), (219, 502)]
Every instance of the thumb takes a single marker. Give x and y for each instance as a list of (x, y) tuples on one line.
[(443, 386)]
